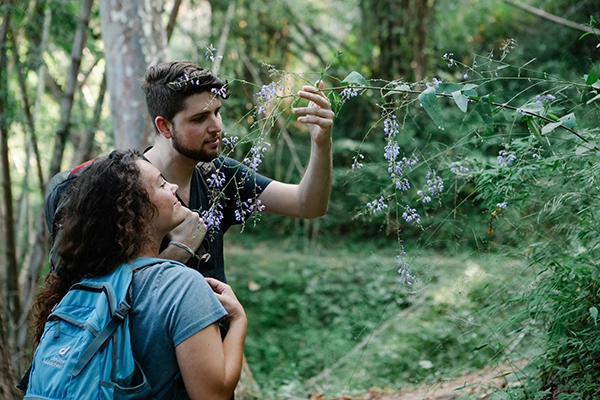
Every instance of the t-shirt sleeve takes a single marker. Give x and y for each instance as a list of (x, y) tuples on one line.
[(189, 304)]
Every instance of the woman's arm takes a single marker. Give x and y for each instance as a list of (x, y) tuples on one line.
[(210, 367)]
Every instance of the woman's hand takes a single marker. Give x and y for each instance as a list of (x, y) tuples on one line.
[(227, 298)]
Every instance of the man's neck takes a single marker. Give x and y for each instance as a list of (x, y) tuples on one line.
[(175, 168)]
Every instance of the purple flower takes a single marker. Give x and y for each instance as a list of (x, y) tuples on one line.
[(229, 141), (256, 155), (501, 206), (505, 159), (350, 91), (213, 216), (355, 163), (377, 205), (410, 215), (246, 208), (210, 53), (266, 93), (406, 277), (220, 92), (450, 58)]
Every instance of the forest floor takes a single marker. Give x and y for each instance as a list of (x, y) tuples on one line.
[(480, 383)]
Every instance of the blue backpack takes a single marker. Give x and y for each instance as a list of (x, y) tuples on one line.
[(85, 351)]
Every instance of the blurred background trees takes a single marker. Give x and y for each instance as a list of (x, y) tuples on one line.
[(70, 90)]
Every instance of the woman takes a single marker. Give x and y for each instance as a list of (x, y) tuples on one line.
[(120, 208)]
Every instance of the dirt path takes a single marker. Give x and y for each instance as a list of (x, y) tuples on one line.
[(481, 382)]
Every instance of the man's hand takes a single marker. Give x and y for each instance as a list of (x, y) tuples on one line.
[(317, 114)]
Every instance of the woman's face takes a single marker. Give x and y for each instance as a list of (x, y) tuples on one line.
[(162, 194)]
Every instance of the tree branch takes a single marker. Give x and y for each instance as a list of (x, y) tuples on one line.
[(552, 17)]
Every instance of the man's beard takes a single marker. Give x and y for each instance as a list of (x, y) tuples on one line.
[(196, 155)]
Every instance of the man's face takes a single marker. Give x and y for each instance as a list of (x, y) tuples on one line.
[(196, 130)]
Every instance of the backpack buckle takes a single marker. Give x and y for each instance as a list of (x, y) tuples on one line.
[(122, 310)]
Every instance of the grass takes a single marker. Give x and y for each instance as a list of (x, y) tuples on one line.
[(338, 322)]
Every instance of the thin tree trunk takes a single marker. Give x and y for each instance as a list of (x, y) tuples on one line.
[(8, 377), (67, 100), (30, 121), (224, 35), (14, 304), (134, 38), (86, 146), (173, 19), (7, 372)]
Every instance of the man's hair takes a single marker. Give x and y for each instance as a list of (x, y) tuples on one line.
[(168, 84)]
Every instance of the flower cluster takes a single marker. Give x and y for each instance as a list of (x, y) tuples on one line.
[(410, 215), (505, 159), (435, 183), (213, 216), (356, 164), (186, 79), (435, 186), (266, 93), (246, 208), (229, 141), (406, 277), (436, 83), (541, 99), (376, 205), (210, 53), (216, 180), (352, 90), (537, 156), (396, 168), (450, 58), (220, 92), (458, 170), (507, 46), (501, 206), (256, 154)]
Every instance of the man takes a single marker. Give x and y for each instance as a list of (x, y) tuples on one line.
[(184, 100)]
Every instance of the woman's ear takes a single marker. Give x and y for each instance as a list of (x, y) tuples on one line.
[(164, 126)]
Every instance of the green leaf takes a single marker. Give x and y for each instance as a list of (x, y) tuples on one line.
[(448, 88), (533, 108), (594, 99), (468, 90), (398, 89), (430, 103), (356, 78), (550, 127), (333, 100), (484, 108), (587, 148), (569, 120), (594, 314), (591, 78), (535, 130), (461, 100)]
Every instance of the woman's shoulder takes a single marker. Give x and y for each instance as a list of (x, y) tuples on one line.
[(164, 272)]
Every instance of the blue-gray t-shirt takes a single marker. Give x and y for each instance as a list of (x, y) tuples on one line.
[(170, 304)]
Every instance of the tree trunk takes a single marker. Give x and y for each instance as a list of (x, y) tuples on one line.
[(12, 276), (7, 372), (8, 378), (134, 39), (67, 101), (86, 147)]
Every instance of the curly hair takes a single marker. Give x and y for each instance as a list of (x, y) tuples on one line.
[(168, 84), (105, 223)]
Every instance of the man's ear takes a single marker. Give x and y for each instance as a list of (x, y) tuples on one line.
[(164, 126)]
